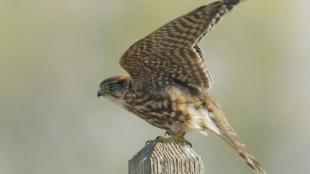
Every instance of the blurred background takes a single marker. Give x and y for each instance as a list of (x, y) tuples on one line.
[(54, 53)]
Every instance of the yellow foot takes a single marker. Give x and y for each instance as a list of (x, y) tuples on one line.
[(174, 138)]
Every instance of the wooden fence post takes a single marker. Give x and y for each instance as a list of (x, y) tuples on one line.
[(166, 158)]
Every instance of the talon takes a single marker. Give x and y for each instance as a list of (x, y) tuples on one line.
[(190, 144), (160, 139), (149, 142), (167, 133), (183, 140)]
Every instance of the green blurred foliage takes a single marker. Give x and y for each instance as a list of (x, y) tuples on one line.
[(53, 54)]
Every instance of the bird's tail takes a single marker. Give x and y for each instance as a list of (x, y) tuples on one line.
[(226, 132), (232, 138)]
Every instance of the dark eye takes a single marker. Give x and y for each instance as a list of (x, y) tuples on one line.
[(110, 86)]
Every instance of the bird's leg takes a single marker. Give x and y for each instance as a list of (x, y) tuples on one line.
[(167, 133), (173, 138)]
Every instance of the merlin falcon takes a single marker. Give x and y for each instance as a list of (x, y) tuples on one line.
[(167, 83)]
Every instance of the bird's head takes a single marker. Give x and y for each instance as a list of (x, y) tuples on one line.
[(113, 87)]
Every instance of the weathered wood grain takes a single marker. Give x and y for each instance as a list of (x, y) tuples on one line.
[(166, 158)]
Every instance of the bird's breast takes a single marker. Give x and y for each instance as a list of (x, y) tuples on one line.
[(171, 110)]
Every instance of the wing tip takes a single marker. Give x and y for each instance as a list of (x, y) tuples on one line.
[(231, 3)]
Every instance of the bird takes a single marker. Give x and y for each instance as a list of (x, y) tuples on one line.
[(168, 84)]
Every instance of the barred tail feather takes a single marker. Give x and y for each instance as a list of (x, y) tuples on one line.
[(232, 139), (229, 135)]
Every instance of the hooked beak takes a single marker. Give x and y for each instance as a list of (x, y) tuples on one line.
[(99, 93)]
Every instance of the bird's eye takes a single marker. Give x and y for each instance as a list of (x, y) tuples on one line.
[(108, 87)]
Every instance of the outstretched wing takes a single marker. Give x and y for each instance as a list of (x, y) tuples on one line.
[(171, 53)]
